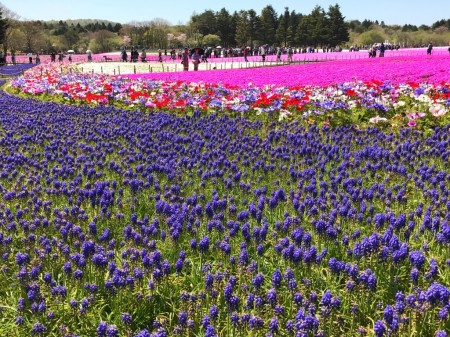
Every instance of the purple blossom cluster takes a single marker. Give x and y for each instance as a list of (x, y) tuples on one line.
[(116, 222)]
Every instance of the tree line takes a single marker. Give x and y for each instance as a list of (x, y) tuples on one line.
[(246, 27), (320, 28)]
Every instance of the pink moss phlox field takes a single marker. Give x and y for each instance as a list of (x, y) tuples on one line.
[(435, 69), (297, 57)]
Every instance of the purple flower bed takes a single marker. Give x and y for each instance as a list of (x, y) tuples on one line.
[(129, 223), (15, 69)]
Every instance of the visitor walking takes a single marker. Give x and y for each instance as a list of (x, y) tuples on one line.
[(290, 53), (382, 49), (279, 54), (134, 55), (124, 56), (185, 59), (196, 59), (159, 55), (246, 50), (143, 55), (263, 53), (429, 48)]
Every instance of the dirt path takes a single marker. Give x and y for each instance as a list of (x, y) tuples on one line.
[(116, 68)]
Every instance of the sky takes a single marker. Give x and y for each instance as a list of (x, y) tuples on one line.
[(415, 12)]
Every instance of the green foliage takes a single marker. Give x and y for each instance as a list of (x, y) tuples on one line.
[(211, 40), (370, 37), (224, 28), (337, 27), (205, 23), (269, 23), (243, 29), (3, 26)]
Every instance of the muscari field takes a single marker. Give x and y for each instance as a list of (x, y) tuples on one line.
[(300, 200)]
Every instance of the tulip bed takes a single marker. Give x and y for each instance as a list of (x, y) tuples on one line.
[(168, 220)]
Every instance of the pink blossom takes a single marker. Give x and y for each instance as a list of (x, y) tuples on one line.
[(438, 110)]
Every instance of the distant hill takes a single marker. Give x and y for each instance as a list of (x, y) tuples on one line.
[(82, 22)]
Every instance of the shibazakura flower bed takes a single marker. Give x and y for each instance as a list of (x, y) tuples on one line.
[(397, 91), (129, 223)]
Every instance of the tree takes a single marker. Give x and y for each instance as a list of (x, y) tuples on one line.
[(441, 23), (10, 35), (211, 40), (243, 29), (117, 27), (337, 27), (367, 23), (3, 26), (234, 21), (16, 39), (409, 28), (269, 24), (34, 36), (70, 38), (204, 23), (294, 20), (303, 36), (356, 26), (136, 31), (282, 30), (319, 26), (156, 34), (182, 38), (254, 25), (61, 28), (424, 27), (441, 30), (104, 41), (126, 41), (371, 36), (224, 28)]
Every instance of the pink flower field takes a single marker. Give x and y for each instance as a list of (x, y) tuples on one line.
[(434, 69)]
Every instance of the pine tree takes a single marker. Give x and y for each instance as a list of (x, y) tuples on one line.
[(338, 28), (294, 20), (3, 27), (254, 23), (269, 25), (282, 30), (242, 29), (224, 29), (319, 26)]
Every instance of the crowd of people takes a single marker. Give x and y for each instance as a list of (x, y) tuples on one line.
[(198, 55)]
